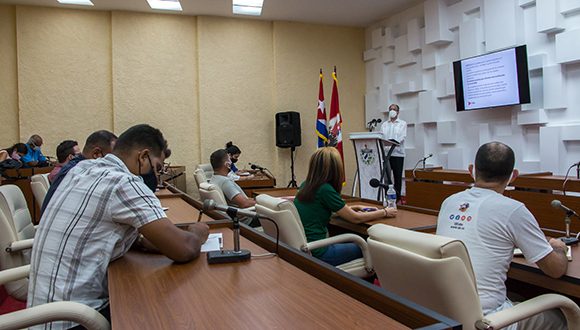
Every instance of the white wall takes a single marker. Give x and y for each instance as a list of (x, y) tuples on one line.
[(409, 61)]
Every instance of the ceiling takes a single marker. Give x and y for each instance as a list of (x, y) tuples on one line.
[(333, 12)]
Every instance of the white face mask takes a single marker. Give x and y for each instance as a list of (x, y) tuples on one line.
[(393, 114)]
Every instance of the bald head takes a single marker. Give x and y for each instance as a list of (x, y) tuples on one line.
[(494, 162)]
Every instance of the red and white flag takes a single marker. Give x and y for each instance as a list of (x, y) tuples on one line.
[(335, 120)]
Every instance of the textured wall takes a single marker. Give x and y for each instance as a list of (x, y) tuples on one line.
[(236, 92), (202, 80), (155, 79), (297, 85), (64, 73), (8, 78), (409, 61)]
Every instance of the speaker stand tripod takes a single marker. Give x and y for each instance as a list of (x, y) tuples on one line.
[(292, 183)]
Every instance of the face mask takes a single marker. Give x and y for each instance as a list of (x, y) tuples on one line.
[(150, 178), (234, 160), (393, 114), (228, 164)]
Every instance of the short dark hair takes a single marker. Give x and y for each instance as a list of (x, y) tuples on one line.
[(18, 147), (64, 149), (217, 158), (101, 139), (232, 149), (141, 136), (494, 162)]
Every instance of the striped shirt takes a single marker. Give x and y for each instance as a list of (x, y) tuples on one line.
[(91, 220)]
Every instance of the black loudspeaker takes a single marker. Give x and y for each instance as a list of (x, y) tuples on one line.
[(288, 132)]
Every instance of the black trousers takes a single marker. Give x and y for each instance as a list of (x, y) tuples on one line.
[(397, 168)]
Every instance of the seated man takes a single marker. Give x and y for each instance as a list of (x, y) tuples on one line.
[(492, 225), (98, 144), (95, 216), (66, 150), (34, 156), (235, 196)]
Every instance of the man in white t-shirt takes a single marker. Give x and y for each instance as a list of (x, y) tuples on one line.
[(396, 129), (492, 225)]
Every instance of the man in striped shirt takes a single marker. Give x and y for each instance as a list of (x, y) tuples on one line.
[(95, 216)]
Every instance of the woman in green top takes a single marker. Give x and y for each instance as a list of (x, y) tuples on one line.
[(319, 197)]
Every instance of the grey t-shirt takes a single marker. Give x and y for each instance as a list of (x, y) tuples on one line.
[(228, 186)]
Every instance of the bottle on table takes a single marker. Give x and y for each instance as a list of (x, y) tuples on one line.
[(392, 197)]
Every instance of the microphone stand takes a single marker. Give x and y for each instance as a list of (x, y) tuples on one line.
[(235, 255), (568, 240)]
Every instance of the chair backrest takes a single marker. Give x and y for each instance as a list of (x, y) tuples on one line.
[(433, 271), (39, 185), (199, 176), (284, 213), (13, 206), (211, 191), (207, 169)]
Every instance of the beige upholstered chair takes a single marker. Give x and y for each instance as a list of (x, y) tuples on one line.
[(16, 236), (291, 231), (39, 184), (55, 311), (436, 272), (211, 191), (199, 176), (207, 170)]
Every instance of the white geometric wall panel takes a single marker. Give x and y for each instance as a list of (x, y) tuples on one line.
[(409, 61), (567, 50)]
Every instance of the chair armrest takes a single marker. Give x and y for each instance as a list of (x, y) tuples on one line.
[(55, 311), (13, 274), (251, 208), (20, 245), (530, 308), (344, 238)]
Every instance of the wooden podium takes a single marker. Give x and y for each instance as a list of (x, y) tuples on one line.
[(372, 163)]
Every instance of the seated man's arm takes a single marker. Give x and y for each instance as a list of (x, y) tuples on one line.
[(243, 201), (179, 245), (555, 263)]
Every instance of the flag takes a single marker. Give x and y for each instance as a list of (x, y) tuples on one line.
[(335, 120), (321, 129)]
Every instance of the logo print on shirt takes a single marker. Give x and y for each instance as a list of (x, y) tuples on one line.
[(463, 207)]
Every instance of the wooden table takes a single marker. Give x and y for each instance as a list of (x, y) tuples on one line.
[(407, 217), (289, 291), (260, 180), (21, 178), (263, 293)]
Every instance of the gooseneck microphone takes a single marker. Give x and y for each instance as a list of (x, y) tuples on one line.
[(235, 255), (558, 205), (256, 167), (375, 183)]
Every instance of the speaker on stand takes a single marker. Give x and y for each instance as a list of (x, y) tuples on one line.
[(288, 135)]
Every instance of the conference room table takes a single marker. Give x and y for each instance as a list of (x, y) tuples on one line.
[(286, 291)]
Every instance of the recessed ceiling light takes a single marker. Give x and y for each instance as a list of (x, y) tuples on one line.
[(76, 2), (165, 4), (247, 7)]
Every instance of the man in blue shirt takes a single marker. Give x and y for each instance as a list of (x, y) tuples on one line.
[(98, 144), (34, 156)]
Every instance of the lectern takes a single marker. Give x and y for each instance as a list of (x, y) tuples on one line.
[(372, 162)]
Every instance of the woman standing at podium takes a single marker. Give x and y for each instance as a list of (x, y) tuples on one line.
[(396, 129), (319, 196)]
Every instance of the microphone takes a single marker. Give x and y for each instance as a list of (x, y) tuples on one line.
[(256, 167), (558, 205), (375, 183), (378, 120), (210, 204), (427, 157), (235, 255)]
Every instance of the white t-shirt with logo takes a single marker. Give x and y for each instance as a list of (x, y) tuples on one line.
[(491, 226)]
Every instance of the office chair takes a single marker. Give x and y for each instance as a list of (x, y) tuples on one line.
[(436, 272), (54, 311), (284, 213), (39, 184), (199, 176), (16, 236)]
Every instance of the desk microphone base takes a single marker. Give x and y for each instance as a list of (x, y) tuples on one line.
[(569, 240), (227, 256)]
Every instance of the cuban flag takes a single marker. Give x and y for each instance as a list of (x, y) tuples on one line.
[(335, 120), (321, 130)]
